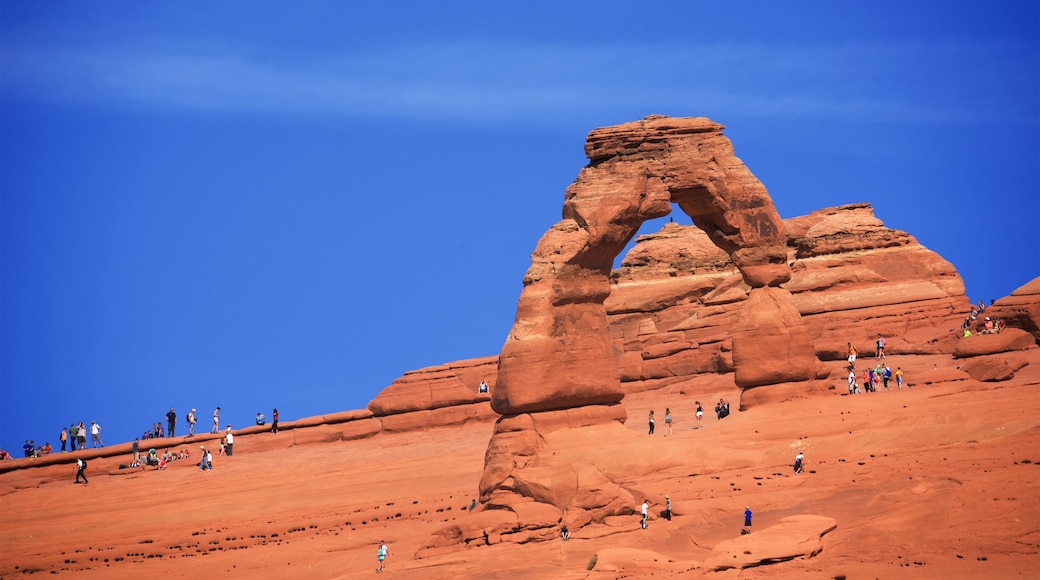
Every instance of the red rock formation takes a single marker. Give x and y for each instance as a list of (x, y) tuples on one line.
[(560, 354), (1021, 309)]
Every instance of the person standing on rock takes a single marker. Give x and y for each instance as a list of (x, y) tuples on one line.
[(644, 522), (899, 377), (667, 421), (95, 434), (381, 555), (171, 422), (274, 421), (798, 462), (229, 447), (852, 383), (651, 422), (81, 435), (64, 438), (879, 351), (852, 356), (216, 421), (699, 413), (747, 520), (667, 508), (191, 423)]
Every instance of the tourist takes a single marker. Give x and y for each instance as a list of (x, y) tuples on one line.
[(216, 421), (886, 374), (722, 409), (747, 520), (95, 434), (230, 441), (260, 419), (274, 421), (879, 353), (852, 356), (381, 555), (565, 534), (81, 470), (667, 421), (191, 423), (899, 378), (81, 435), (699, 413), (171, 422), (64, 437), (798, 462), (483, 388), (667, 508), (73, 435), (651, 422), (853, 387), (645, 514)]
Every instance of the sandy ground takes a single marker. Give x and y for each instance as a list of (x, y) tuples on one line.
[(933, 481)]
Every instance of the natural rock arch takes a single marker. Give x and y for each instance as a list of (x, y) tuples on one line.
[(559, 354), (558, 369)]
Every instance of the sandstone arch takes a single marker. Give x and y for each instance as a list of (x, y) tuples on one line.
[(558, 368), (559, 354)]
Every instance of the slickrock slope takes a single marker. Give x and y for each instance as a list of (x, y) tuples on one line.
[(935, 480)]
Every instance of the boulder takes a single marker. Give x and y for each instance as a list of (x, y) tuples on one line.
[(791, 537), (1021, 309), (982, 344)]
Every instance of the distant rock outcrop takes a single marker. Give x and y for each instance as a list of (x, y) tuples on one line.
[(1021, 309), (677, 301)]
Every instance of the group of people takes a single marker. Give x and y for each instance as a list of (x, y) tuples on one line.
[(721, 411), (153, 458), (72, 438), (644, 510), (990, 326), (876, 376), (76, 436)]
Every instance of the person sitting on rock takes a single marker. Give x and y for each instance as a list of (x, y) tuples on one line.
[(565, 534), (260, 419), (483, 388), (153, 458)]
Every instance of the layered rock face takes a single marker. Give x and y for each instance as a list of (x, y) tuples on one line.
[(558, 367), (677, 300)]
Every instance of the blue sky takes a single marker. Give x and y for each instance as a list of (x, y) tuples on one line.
[(257, 204)]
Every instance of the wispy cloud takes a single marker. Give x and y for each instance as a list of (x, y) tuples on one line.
[(506, 83)]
